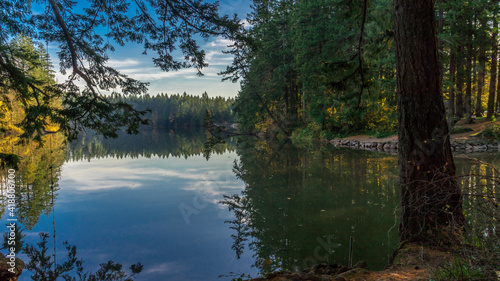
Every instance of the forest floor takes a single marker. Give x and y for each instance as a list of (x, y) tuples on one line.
[(412, 262)]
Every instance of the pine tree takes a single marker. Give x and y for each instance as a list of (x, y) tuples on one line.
[(431, 200)]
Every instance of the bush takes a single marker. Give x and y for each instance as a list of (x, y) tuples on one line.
[(459, 130), (459, 269), (491, 133)]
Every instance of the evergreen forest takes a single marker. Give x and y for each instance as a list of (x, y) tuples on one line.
[(327, 68), (181, 110)]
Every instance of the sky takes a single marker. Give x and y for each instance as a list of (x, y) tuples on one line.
[(129, 60)]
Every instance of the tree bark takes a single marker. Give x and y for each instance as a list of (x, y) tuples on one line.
[(431, 201), (459, 103), (481, 72), (468, 74), (451, 97), (493, 78)]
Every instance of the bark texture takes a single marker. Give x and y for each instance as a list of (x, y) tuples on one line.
[(493, 80), (451, 98), (431, 201)]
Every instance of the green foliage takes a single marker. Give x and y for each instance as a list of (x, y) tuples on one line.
[(37, 175), (333, 64), (315, 63), (28, 90), (458, 269), (490, 133), (307, 134)]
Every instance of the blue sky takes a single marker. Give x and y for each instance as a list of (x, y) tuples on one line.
[(129, 60)]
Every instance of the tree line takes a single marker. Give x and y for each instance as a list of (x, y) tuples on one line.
[(150, 143), (180, 110)]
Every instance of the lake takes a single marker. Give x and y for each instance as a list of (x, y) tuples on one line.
[(187, 211)]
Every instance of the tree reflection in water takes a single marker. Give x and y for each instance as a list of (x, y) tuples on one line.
[(37, 176), (301, 205)]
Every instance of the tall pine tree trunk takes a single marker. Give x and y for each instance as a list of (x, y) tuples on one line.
[(431, 201), (493, 78), (451, 97), (468, 74), (496, 108), (459, 103), (481, 72)]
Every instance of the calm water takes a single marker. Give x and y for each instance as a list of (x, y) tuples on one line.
[(156, 199)]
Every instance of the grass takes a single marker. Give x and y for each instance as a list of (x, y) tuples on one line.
[(490, 133), (460, 129), (381, 134), (458, 269)]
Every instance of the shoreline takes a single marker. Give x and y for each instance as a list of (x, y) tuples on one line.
[(460, 142), (464, 144)]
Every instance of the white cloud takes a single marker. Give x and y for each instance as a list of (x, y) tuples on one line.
[(166, 267), (109, 173), (128, 60), (123, 63), (151, 73), (221, 43)]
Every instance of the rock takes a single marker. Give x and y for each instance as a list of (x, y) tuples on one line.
[(480, 148), (361, 264), (351, 273), (394, 145), (343, 269)]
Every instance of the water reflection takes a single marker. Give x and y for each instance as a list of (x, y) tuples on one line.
[(301, 206), (180, 143), (480, 181), (37, 177)]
